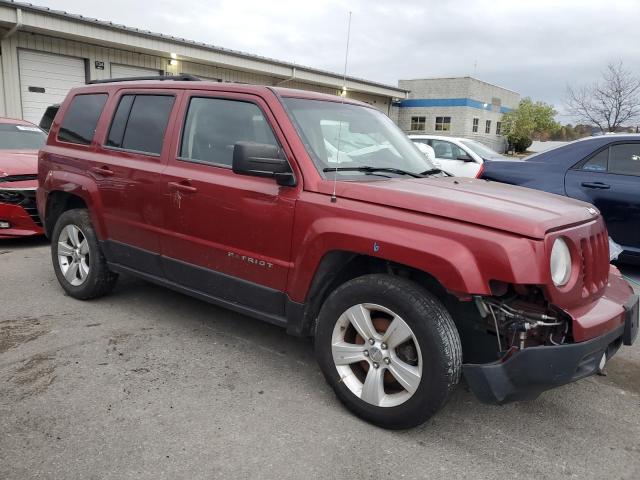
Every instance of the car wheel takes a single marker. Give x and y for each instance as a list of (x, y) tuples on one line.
[(389, 349), (78, 261)]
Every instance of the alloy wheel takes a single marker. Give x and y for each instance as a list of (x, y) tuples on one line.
[(73, 255), (376, 355)]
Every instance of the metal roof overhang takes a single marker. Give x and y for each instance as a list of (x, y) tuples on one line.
[(82, 29)]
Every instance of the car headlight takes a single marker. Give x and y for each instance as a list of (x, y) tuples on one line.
[(560, 263)]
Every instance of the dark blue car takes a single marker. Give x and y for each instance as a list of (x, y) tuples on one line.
[(604, 171)]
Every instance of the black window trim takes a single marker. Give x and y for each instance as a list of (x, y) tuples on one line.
[(578, 165), (93, 141), (115, 110), (216, 97)]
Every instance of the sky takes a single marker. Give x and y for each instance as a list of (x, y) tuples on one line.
[(535, 47)]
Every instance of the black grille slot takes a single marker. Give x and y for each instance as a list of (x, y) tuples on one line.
[(25, 198), (18, 178), (594, 251)]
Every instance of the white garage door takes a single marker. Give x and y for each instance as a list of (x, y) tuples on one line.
[(123, 71), (46, 79)]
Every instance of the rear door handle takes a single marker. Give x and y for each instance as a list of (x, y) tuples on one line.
[(598, 185), (103, 170), (183, 186)]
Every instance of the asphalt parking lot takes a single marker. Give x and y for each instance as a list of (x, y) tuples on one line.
[(148, 383)]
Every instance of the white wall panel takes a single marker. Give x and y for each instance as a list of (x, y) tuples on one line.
[(46, 79)]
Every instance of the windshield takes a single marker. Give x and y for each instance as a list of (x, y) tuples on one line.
[(350, 136), (21, 137), (480, 149)]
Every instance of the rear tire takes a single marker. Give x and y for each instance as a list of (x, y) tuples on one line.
[(78, 261), (413, 357)]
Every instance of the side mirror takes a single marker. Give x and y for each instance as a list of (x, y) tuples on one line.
[(262, 160), (465, 158)]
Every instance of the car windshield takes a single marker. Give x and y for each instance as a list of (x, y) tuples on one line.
[(345, 136), (480, 149), (21, 137)]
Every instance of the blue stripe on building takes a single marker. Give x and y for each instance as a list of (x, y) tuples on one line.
[(447, 102)]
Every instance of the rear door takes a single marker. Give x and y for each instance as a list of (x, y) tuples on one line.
[(610, 179), (227, 235), (127, 166)]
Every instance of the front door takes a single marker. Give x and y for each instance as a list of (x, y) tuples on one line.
[(611, 181), (453, 159), (227, 235)]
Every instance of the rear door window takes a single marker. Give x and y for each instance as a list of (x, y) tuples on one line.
[(80, 120), (624, 159), (140, 122), (213, 127)]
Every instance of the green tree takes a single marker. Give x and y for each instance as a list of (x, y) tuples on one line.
[(529, 120)]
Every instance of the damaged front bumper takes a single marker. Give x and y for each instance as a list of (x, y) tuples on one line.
[(529, 372)]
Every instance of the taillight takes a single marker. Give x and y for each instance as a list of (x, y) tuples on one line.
[(480, 171)]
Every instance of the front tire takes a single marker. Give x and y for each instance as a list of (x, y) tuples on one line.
[(77, 259), (389, 349)]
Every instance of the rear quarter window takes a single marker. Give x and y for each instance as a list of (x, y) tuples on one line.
[(80, 120)]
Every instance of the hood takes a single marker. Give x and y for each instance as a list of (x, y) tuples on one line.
[(18, 162), (522, 211)]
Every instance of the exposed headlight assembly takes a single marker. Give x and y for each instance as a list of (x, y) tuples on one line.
[(560, 263)]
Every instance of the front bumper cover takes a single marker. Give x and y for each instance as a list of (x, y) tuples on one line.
[(529, 372), (22, 223)]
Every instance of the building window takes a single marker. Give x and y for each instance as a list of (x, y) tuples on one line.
[(487, 126), (443, 124), (418, 123), (476, 121), (498, 128)]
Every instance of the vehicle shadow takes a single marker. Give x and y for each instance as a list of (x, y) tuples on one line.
[(10, 244)]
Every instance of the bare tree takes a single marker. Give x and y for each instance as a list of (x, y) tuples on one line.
[(609, 103)]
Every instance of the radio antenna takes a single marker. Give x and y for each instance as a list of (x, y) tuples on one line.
[(343, 94)]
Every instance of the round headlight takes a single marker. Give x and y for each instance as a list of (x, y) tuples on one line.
[(560, 263)]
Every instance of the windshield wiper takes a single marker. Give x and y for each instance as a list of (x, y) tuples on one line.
[(433, 171), (369, 169)]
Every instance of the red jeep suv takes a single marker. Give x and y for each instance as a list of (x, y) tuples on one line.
[(316, 213)]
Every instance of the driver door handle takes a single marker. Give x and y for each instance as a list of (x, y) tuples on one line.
[(183, 186), (596, 185), (103, 171)]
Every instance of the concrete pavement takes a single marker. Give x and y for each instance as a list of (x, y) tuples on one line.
[(148, 383)]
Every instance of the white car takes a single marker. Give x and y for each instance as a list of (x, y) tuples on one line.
[(458, 156), (427, 151)]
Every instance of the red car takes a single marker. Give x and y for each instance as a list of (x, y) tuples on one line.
[(19, 145), (316, 213)]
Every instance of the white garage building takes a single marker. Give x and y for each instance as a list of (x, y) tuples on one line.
[(47, 52)]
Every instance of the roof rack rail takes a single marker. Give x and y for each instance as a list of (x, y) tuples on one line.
[(175, 78)]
